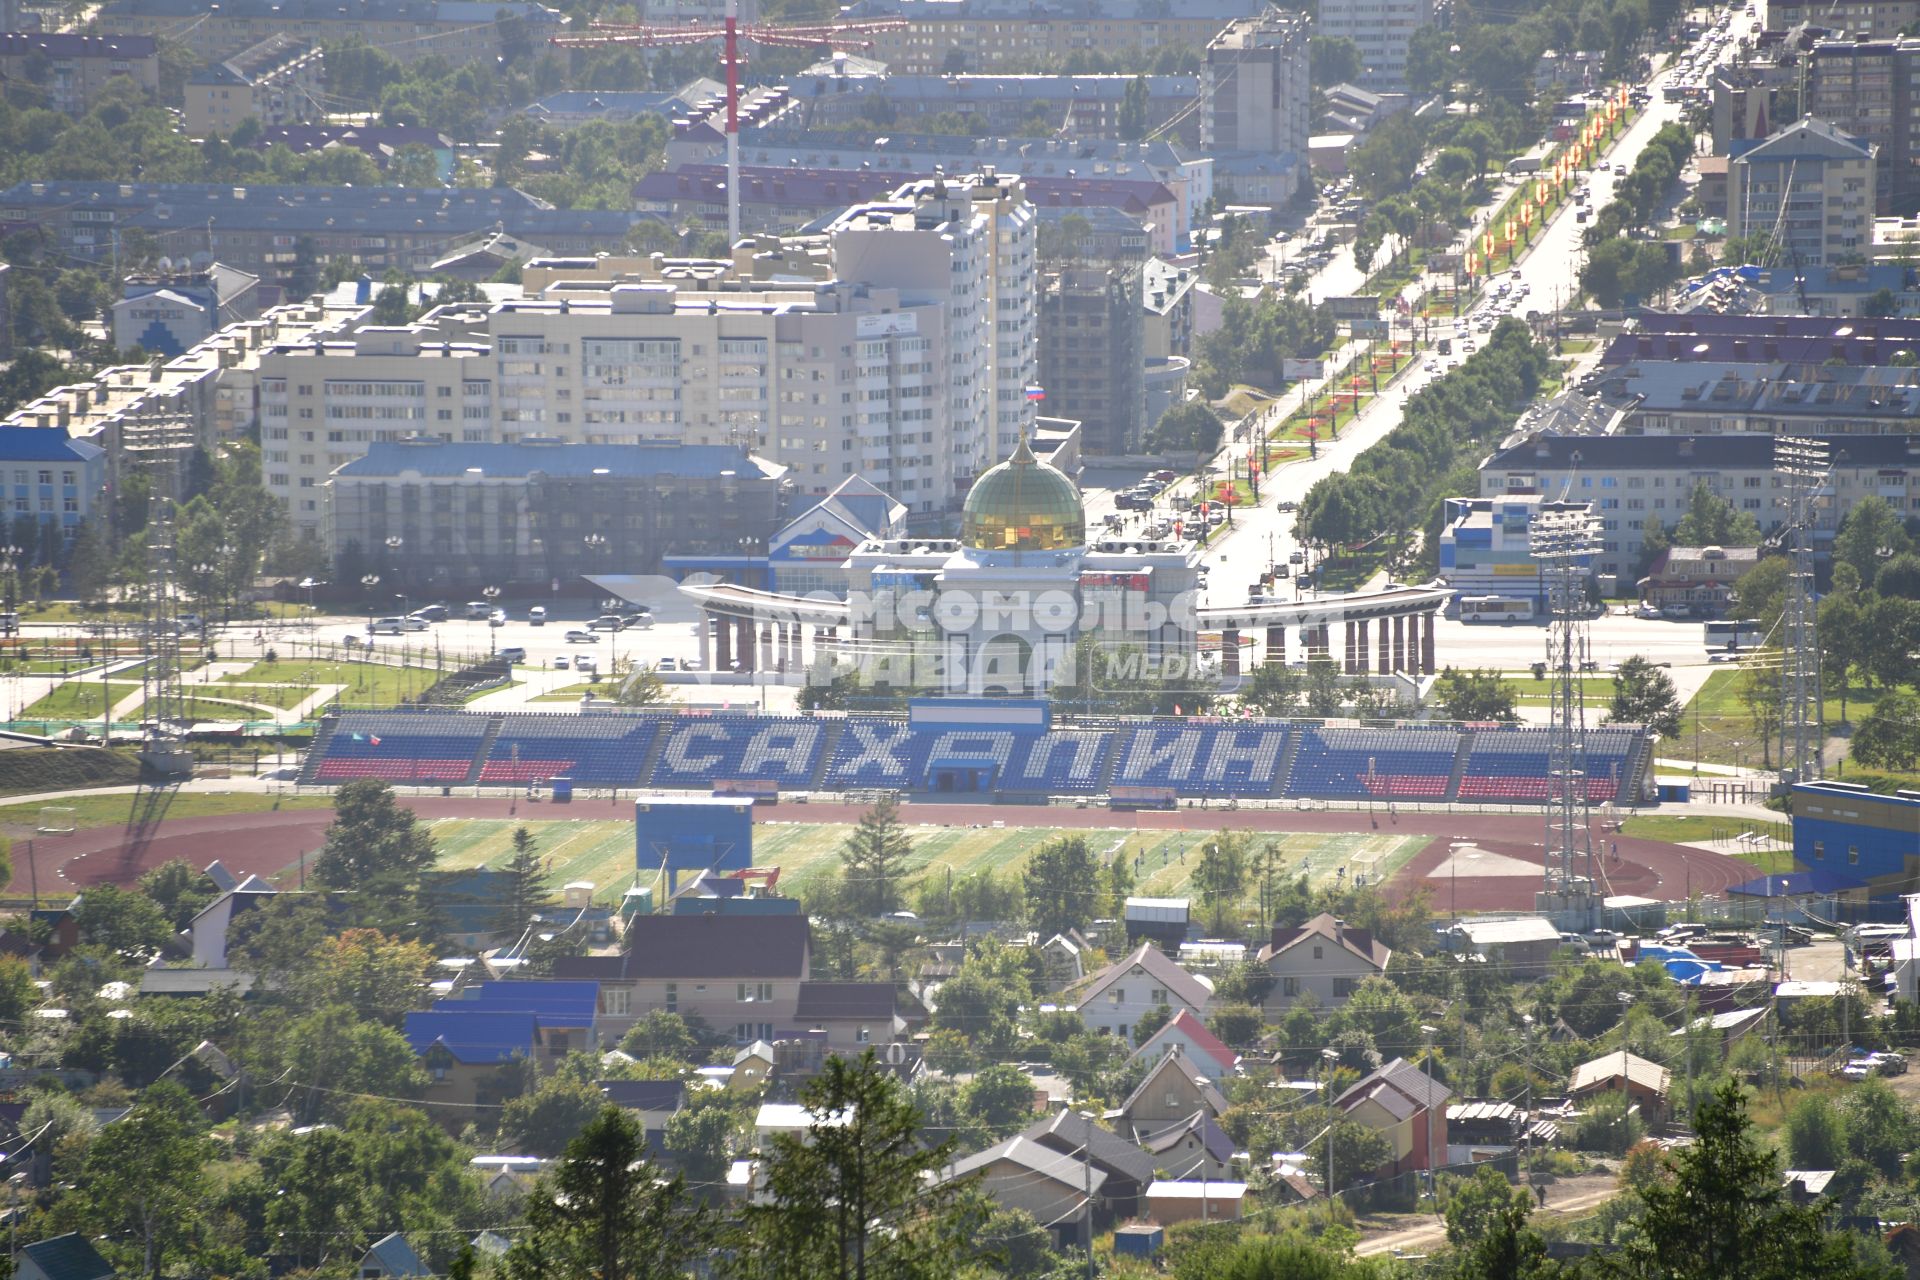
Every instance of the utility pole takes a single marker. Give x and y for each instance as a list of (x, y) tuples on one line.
[(1804, 463)]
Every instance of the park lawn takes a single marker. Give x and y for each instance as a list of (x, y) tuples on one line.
[(1683, 829), (116, 809), (1770, 862), (282, 696), (78, 700), (1597, 690), (572, 692), (604, 851), (367, 683)]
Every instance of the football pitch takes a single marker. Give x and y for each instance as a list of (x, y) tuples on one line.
[(603, 851)]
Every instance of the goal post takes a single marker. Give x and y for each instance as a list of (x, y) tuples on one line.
[(55, 820)]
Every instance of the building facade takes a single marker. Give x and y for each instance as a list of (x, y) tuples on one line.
[(460, 31), (1486, 546), (1876, 19), (941, 36), (1867, 89), (73, 68), (1809, 186), (276, 82), (1383, 29), (1093, 353), (1255, 90), (51, 478)]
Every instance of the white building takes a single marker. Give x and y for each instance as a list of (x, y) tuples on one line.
[(1125, 991), (1255, 87), (1809, 186), (1486, 546), (1383, 29)]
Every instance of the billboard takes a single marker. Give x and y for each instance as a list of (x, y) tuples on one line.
[(1360, 307)]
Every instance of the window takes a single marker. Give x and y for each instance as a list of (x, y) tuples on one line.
[(1819, 850), (1343, 987), (1159, 995), (863, 1036), (673, 997), (750, 992), (1853, 855), (1117, 996), (616, 1001), (1290, 987), (1319, 952), (559, 1043)]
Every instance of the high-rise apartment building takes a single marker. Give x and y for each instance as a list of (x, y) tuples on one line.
[(1811, 188), (1870, 90), (897, 346), (1382, 29), (1093, 352), (1255, 93), (1876, 19)]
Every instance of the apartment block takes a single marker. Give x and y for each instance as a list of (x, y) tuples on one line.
[(1876, 19), (1093, 352), (1765, 398), (74, 68), (1383, 29), (1809, 186), (276, 82), (460, 31), (1632, 479), (1255, 93), (1870, 90), (943, 36)]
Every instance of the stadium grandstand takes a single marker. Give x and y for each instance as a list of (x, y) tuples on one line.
[(1196, 758)]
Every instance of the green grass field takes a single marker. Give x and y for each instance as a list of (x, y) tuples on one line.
[(78, 700), (368, 683), (1528, 692), (603, 851)]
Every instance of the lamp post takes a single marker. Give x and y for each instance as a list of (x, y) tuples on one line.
[(394, 543), (1330, 1056), (11, 554), (611, 604), (369, 581), (493, 597), (226, 555)]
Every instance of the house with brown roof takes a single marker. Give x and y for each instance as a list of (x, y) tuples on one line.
[(1642, 1082), (1127, 1168), (1325, 958), (741, 974), (1409, 1107), (1146, 979), (1060, 1191), (1192, 1148), (1173, 1090)]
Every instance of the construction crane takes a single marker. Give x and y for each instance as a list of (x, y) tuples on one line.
[(835, 35)]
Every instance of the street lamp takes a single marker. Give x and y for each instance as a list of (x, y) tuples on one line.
[(1330, 1056), (369, 581), (394, 543), (493, 596)]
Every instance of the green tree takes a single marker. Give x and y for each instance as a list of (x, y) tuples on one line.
[(1842, 629), (700, 1139), (1893, 635), (1872, 531), (1899, 576), (857, 1198), (178, 891), (1325, 693), (874, 861), (143, 1179), (1358, 1153), (89, 562), (376, 852), (1478, 695), (321, 1210), (1000, 1097), (1725, 1213), (1061, 880), (333, 1056), (1133, 110), (125, 923), (378, 977), (1644, 694), (1761, 592), (1192, 427), (1220, 876), (1270, 689), (657, 1033), (18, 992), (1474, 1202), (1889, 738), (983, 999), (1334, 60), (526, 894), (642, 686), (547, 1118), (1816, 1134), (604, 1213), (414, 166), (1713, 521)]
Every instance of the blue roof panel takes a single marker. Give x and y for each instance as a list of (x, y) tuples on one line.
[(478, 1037)]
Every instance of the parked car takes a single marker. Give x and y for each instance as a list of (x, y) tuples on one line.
[(431, 612), (608, 622), (190, 622), (512, 655), (668, 664), (498, 618), (561, 663), (537, 615), (386, 627), (479, 610), (582, 637), (413, 623)]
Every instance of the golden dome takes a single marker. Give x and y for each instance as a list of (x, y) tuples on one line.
[(1024, 505)]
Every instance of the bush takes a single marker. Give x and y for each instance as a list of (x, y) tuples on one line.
[(1609, 1126)]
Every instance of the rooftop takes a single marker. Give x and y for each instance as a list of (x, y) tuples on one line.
[(434, 458), (63, 44), (1690, 453)]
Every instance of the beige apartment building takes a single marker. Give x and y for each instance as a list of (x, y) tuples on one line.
[(277, 82)]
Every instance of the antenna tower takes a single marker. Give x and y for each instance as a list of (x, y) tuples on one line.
[(163, 706), (1804, 464), (1564, 542)]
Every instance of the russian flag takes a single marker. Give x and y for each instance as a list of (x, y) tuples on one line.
[(1036, 393), (374, 738)]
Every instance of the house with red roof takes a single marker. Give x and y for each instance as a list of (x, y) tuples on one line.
[(1184, 1033)]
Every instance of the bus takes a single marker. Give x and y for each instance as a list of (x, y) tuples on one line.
[(1733, 635), (1495, 609)]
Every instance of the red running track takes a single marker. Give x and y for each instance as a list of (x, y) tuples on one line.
[(269, 843)]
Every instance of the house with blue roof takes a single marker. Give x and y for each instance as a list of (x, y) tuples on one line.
[(464, 1052), (48, 476), (567, 1011)]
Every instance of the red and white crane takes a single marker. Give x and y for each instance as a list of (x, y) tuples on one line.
[(835, 35)]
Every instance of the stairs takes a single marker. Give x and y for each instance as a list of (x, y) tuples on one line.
[(1283, 777), (1459, 765), (654, 750), (486, 745), (322, 737), (1111, 765), (829, 743)]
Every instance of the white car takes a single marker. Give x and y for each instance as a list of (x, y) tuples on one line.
[(582, 637), (537, 615)]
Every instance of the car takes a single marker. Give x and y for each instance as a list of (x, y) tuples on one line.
[(1603, 938), (411, 623), (386, 627), (1675, 934), (479, 610), (512, 654), (562, 663), (285, 773), (608, 622), (640, 622), (498, 618), (582, 637), (1296, 557), (1287, 505), (537, 615), (431, 613), (1575, 943), (587, 664), (355, 642), (667, 664), (190, 621), (635, 612)]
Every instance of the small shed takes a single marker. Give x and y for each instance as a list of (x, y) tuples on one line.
[(1162, 921), (1171, 1202), (391, 1257), (1645, 1083)]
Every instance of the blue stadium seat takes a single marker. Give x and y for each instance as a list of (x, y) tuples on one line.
[(594, 750), (1513, 764), (702, 750), (1386, 764), (1063, 762), (1236, 760), (403, 746)]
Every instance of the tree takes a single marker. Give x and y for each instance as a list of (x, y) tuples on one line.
[(1725, 1213), (1889, 739), (1871, 532), (1061, 880), (1271, 689), (125, 923), (178, 891), (1473, 1202), (1644, 694), (1325, 693), (378, 977), (526, 893), (1358, 1152), (1816, 1135), (546, 1119), (1221, 874), (1333, 60), (1713, 521), (333, 1056), (322, 1208), (1899, 576), (89, 562), (605, 1213), (699, 1138), (143, 1178), (874, 860), (1892, 636), (642, 686), (983, 999), (1842, 629), (659, 1033), (1761, 592), (859, 1196), (18, 992), (1477, 695), (373, 849), (1000, 1097), (1191, 427), (1133, 110)]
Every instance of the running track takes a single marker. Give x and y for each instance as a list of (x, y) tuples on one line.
[(269, 843)]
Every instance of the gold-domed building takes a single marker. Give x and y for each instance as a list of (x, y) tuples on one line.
[(1024, 504), (1000, 610)]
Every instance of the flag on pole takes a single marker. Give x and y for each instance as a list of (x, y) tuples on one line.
[(1036, 393), (374, 739)]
